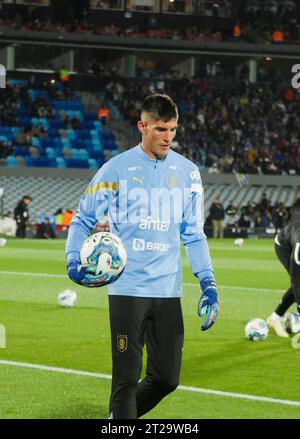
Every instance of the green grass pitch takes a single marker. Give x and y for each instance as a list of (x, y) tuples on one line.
[(38, 331)]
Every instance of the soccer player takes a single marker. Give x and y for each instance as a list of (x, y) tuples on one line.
[(153, 198), (287, 248)]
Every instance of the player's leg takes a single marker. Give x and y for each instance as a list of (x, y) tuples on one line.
[(164, 341), (19, 230), (215, 228), (221, 228), (127, 315), (295, 275), (275, 319), (286, 301)]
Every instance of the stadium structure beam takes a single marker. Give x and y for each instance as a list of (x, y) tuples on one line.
[(150, 45)]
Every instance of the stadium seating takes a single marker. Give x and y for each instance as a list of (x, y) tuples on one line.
[(48, 193), (60, 145)]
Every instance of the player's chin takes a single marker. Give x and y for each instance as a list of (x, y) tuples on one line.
[(164, 150)]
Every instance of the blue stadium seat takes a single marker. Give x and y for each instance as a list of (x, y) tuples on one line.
[(98, 125), (53, 132), (78, 144), (3, 138), (77, 164), (47, 143), (15, 131), (92, 116), (87, 125), (55, 124), (21, 151), (93, 164), (36, 141), (83, 134), (83, 154), (11, 161), (17, 82), (71, 134), (51, 153), (24, 121), (60, 162), (66, 143), (97, 155), (28, 161), (40, 162), (75, 154), (22, 112)]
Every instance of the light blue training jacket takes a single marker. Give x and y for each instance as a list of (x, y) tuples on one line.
[(151, 205)]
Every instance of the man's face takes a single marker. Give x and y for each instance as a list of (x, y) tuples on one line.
[(157, 136)]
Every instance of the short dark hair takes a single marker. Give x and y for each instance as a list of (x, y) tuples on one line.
[(160, 107)]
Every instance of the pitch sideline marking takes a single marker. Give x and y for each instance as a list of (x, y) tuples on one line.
[(185, 388), (188, 284)]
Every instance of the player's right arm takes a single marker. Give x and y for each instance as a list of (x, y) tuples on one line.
[(295, 270), (93, 207)]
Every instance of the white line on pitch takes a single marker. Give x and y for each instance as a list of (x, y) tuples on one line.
[(185, 388), (187, 284), (25, 273)]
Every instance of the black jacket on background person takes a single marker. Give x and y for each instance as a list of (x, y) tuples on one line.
[(45, 231), (21, 216), (217, 211)]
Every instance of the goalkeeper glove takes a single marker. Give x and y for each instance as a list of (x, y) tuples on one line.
[(84, 274), (208, 303)]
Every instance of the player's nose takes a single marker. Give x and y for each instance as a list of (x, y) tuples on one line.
[(168, 137)]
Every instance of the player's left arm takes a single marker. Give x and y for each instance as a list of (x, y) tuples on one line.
[(196, 247)]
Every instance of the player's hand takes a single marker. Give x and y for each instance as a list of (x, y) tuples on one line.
[(83, 274), (208, 303)]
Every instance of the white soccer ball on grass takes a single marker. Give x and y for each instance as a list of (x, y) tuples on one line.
[(67, 298), (257, 330), (239, 242)]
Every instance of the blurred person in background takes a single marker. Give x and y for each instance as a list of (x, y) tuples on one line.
[(217, 215), (21, 215), (45, 230)]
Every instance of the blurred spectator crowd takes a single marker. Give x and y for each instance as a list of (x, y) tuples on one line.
[(262, 215), (227, 127), (269, 16)]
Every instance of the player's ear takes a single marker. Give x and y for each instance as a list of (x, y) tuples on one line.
[(141, 126)]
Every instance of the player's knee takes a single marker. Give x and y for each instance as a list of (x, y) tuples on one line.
[(168, 385), (125, 384), (127, 387)]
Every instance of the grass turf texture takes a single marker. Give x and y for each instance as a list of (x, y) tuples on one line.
[(41, 332)]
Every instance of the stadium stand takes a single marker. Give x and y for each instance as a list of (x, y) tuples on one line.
[(269, 17), (70, 138), (238, 127)]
